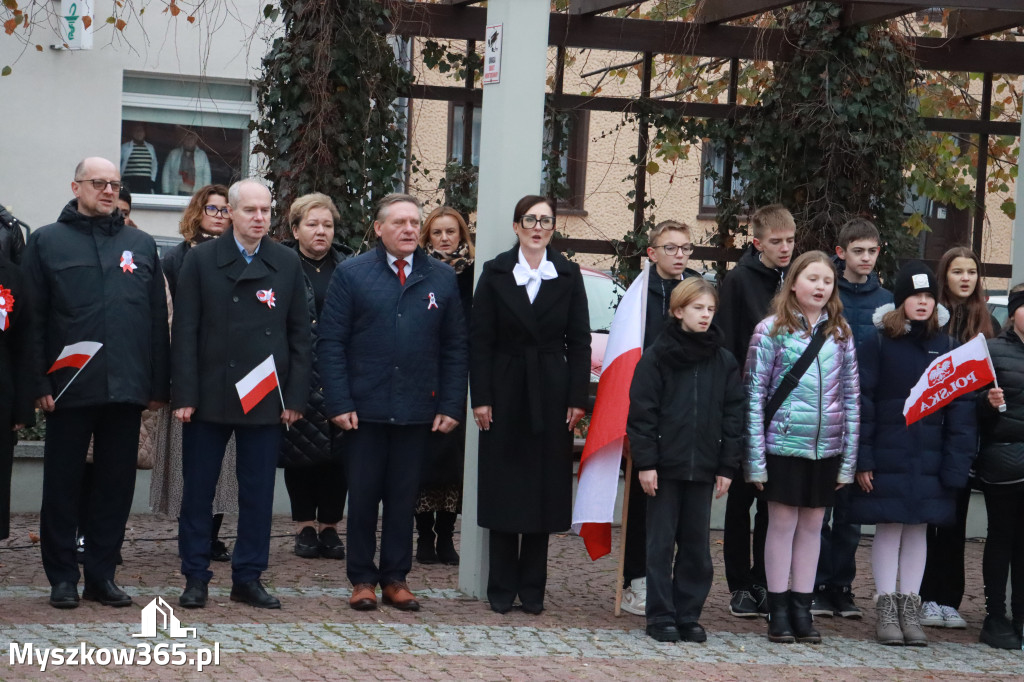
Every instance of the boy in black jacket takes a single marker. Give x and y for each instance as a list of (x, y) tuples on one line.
[(685, 429), (746, 295)]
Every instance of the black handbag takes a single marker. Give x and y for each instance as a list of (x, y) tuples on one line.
[(792, 378)]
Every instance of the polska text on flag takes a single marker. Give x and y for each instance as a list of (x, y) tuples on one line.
[(254, 386), (599, 466), (962, 370)]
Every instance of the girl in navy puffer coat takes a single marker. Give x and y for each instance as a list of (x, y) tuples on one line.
[(907, 476), (808, 449)]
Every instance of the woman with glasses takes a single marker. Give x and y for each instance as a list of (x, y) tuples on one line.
[(529, 375), (205, 218)]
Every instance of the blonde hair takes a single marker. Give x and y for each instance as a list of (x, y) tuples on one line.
[(306, 203), (770, 219), (688, 291), (785, 307), (666, 226), (439, 212)]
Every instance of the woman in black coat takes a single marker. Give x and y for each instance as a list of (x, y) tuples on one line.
[(15, 373), (529, 374), (444, 236), (314, 472), (1000, 471)]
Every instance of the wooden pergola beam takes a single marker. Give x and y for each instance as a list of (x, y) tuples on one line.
[(589, 7), (967, 24), (438, 21), (460, 3), (948, 4), (863, 13), (717, 11)]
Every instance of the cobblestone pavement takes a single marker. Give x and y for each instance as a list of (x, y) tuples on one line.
[(315, 636)]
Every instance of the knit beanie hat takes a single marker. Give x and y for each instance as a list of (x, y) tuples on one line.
[(1015, 301), (913, 278)]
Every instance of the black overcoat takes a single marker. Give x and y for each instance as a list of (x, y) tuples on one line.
[(222, 331), (15, 377), (530, 363)]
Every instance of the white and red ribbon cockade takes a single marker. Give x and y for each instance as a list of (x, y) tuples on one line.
[(266, 296), (6, 307), (433, 301), (126, 262)]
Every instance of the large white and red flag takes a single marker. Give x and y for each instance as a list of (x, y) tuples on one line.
[(254, 386), (602, 453), (962, 370), (76, 355)]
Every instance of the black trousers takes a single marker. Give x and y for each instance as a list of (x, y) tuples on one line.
[(943, 581), (519, 566), (114, 430), (1004, 549), (634, 564), (317, 492), (382, 463), (202, 452), (740, 573), (679, 522)]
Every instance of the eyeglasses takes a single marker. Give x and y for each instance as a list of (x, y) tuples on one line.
[(529, 221), (214, 211), (672, 249), (100, 185)]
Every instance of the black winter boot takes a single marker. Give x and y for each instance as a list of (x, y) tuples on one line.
[(779, 630), (445, 528), (425, 553), (800, 618)]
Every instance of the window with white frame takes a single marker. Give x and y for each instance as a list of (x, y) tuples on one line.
[(178, 135), (713, 159)]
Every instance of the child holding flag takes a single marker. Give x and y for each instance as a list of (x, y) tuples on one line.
[(685, 431), (802, 417), (910, 468)]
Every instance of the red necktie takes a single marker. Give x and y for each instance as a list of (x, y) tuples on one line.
[(400, 264)]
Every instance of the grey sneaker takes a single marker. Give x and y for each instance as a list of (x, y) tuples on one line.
[(931, 615), (951, 618), (908, 607), (887, 629)]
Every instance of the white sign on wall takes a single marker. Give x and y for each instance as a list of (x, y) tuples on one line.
[(492, 55), (74, 28)]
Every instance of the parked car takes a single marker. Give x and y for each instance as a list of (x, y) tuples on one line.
[(603, 296), (997, 305)]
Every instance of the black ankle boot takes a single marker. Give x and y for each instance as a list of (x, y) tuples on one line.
[(425, 552), (779, 629), (445, 528), (800, 618)]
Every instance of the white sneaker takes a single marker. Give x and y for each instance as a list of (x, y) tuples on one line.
[(951, 618), (634, 597), (931, 615)]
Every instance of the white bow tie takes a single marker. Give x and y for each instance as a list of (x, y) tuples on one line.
[(532, 278)]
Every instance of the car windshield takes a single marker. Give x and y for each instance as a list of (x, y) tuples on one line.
[(603, 296)]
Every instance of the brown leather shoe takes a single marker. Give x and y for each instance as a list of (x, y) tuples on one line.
[(363, 598), (399, 596)]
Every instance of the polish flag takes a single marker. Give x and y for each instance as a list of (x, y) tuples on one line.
[(76, 355), (599, 466), (962, 370), (255, 385)]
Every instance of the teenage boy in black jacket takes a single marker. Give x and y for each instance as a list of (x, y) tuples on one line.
[(745, 298), (861, 294), (669, 247)]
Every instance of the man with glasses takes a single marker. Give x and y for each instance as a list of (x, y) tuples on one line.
[(669, 245), (94, 281)]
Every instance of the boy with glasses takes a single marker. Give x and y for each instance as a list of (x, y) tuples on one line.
[(669, 247)]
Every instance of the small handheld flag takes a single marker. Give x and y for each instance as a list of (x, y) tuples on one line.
[(255, 385), (962, 370), (76, 355)]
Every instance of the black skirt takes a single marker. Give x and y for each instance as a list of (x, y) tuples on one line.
[(800, 482)]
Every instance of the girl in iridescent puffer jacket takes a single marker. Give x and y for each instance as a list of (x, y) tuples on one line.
[(808, 448)]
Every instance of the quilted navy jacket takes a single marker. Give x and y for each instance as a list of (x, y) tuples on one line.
[(393, 354), (819, 419)]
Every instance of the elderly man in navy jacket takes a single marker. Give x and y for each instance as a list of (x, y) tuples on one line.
[(392, 355), (241, 300)]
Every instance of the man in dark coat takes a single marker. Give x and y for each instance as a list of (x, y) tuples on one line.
[(744, 300), (246, 304), (393, 358), (92, 280)]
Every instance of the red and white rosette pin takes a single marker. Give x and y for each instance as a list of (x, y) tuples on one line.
[(126, 262), (266, 296), (6, 307)]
